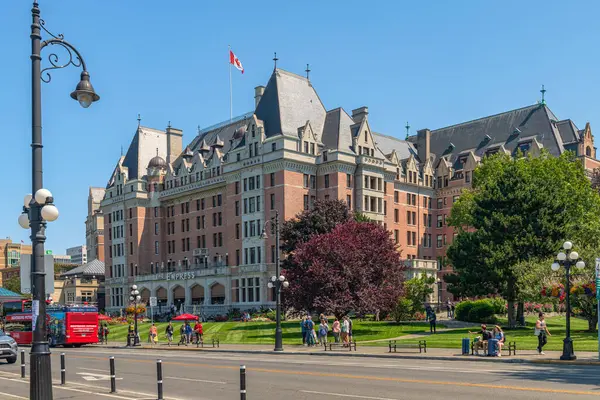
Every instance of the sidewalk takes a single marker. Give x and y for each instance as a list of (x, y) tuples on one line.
[(523, 356)]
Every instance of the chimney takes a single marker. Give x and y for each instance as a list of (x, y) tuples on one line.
[(423, 144), (258, 92), (360, 113), (174, 143)]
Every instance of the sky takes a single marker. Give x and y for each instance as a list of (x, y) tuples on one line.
[(431, 63)]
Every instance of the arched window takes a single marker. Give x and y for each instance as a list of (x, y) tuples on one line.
[(588, 151)]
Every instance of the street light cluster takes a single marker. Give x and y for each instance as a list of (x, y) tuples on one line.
[(43, 198), (275, 282)]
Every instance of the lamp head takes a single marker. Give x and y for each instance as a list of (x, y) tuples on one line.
[(555, 266), (567, 245), (573, 255), (580, 264), (84, 92), (264, 235), (561, 256)]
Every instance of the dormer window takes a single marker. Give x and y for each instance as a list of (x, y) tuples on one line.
[(325, 156), (306, 147), (491, 152), (462, 160), (524, 147), (312, 148), (253, 131), (366, 137)]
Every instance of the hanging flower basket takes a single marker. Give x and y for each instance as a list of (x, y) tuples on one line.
[(140, 310), (556, 290), (586, 289)]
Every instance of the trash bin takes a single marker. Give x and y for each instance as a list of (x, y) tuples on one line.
[(466, 344), (492, 347)]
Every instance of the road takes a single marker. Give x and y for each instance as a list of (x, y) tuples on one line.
[(215, 376)]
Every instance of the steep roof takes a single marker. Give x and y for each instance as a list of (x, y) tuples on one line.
[(223, 131), (506, 129), (142, 149), (336, 130), (387, 144), (568, 131), (289, 101), (92, 268)]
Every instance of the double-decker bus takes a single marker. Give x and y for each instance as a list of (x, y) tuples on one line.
[(11, 307), (65, 325)]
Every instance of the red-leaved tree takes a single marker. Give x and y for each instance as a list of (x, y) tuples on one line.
[(355, 267)]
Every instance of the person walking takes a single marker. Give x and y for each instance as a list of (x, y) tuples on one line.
[(453, 308), (182, 335), (169, 333), (432, 321), (153, 334), (323, 330), (188, 333), (542, 332), (310, 332), (303, 327), (350, 333), (336, 329), (106, 331), (449, 309)]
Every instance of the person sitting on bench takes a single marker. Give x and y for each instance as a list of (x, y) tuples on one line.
[(482, 340)]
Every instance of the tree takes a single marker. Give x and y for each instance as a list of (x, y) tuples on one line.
[(417, 289), (518, 213), (13, 284), (355, 267)]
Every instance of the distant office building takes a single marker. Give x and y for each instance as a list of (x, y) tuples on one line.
[(10, 255), (94, 225), (78, 254), (62, 259)]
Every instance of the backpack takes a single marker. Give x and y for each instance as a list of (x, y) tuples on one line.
[(323, 331)]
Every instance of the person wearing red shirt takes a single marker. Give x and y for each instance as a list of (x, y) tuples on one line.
[(199, 331)]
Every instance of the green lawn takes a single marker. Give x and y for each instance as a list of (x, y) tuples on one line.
[(526, 340), (263, 332)]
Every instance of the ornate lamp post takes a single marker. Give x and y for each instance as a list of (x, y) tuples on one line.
[(568, 259), (39, 208), (277, 281), (135, 298)]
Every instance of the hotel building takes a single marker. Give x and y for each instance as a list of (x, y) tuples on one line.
[(185, 223)]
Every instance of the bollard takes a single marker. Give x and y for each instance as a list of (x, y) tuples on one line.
[(113, 382), (243, 382), (63, 371), (159, 379), (22, 363)]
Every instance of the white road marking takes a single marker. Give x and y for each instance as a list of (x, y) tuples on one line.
[(88, 376), (347, 395), (13, 396), (92, 369), (195, 380), (114, 396)]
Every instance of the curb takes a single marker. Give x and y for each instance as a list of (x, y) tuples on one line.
[(368, 355)]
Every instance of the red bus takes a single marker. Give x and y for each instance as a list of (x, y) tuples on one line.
[(65, 325), (11, 307)]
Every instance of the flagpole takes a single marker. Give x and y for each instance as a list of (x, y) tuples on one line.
[(230, 89)]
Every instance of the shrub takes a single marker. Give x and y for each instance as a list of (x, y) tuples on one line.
[(461, 312), (221, 318), (499, 305), (271, 314), (404, 310), (482, 311)]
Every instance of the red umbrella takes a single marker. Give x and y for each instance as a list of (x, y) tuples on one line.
[(102, 317), (185, 317)]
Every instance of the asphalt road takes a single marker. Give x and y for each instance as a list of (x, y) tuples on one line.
[(215, 376)]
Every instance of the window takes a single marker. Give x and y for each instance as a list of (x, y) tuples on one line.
[(203, 222), (445, 202), (258, 181), (156, 247), (273, 146), (272, 178), (396, 196), (214, 201), (439, 221), (237, 257), (220, 239), (312, 148), (220, 218), (408, 238), (327, 180), (156, 228), (396, 215), (214, 219), (408, 216), (325, 156), (237, 208), (445, 242), (130, 248), (306, 202), (313, 182), (439, 241), (131, 213), (155, 212), (237, 187), (349, 201), (306, 147), (237, 231), (272, 201), (202, 203), (349, 180), (414, 199), (454, 199), (467, 176), (246, 229), (396, 236), (251, 183), (305, 181), (440, 203), (214, 240)]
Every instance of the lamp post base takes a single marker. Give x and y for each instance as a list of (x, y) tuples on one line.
[(40, 385), (568, 353), (278, 339)]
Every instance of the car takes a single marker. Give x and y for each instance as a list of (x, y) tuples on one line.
[(8, 348)]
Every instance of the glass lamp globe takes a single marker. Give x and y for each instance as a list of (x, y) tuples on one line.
[(573, 255), (270, 285), (286, 284), (138, 298), (273, 278), (50, 212), (24, 221), (134, 287), (131, 298), (27, 200), (41, 196), (136, 292), (567, 245), (281, 278), (580, 264), (561, 256), (555, 266)]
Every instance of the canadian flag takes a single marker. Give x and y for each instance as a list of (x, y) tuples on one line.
[(235, 61)]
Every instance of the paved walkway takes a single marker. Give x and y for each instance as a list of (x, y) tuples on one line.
[(523, 356)]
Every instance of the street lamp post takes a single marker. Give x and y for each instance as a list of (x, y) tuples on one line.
[(39, 208), (135, 298), (277, 281), (568, 258)]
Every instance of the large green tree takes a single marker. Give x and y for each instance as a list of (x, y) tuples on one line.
[(516, 216), (13, 284)]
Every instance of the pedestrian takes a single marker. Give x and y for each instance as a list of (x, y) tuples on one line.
[(449, 309), (432, 321), (169, 333), (323, 330), (336, 329), (303, 328), (199, 332), (453, 308), (153, 334), (345, 328), (310, 332), (427, 312), (182, 335), (541, 331), (188, 332), (101, 334), (322, 317), (377, 315), (106, 332), (350, 333)]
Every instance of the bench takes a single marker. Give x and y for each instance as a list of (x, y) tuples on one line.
[(214, 340), (511, 347), (422, 346), (340, 345)]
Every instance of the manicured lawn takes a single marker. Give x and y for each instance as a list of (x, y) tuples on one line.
[(263, 332), (526, 340)]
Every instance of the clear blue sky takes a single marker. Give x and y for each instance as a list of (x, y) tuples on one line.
[(431, 63)]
